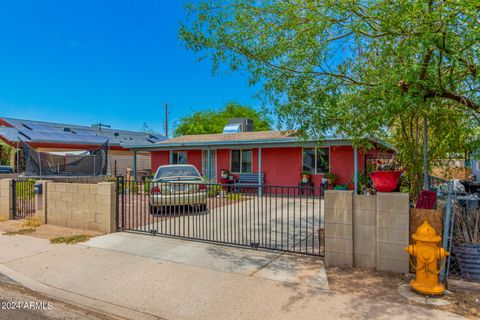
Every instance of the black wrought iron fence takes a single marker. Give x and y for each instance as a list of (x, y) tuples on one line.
[(282, 218), (23, 198)]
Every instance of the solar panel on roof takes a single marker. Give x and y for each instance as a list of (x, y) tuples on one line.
[(63, 137), (85, 131), (39, 127)]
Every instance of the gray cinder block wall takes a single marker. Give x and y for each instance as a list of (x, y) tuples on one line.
[(366, 231), (393, 220), (6, 198), (338, 228), (85, 206)]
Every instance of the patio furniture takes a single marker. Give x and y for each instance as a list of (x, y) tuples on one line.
[(227, 184), (248, 180), (306, 188)]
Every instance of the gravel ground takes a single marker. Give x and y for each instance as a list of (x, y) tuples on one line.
[(30, 305)]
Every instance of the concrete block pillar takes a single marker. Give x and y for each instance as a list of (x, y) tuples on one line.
[(106, 211), (364, 231), (338, 228), (41, 202), (392, 230), (6, 198)]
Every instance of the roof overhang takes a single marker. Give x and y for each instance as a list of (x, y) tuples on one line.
[(271, 143)]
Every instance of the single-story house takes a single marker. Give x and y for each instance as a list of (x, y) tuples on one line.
[(281, 155), (70, 139)]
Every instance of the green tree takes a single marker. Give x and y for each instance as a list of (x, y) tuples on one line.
[(203, 122), (364, 68)]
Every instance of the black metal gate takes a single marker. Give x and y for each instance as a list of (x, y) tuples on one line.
[(282, 218), (23, 199)]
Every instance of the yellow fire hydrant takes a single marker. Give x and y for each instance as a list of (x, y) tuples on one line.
[(428, 253)]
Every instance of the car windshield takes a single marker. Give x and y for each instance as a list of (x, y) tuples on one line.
[(177, 171)]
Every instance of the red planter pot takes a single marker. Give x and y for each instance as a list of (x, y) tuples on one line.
[(385, 181)]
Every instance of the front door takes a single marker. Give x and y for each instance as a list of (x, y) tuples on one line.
[(212, 175)]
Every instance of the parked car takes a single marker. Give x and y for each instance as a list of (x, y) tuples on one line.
[(6, 169), (177, 186)]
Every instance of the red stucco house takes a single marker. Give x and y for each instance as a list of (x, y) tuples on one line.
[(281, 156)]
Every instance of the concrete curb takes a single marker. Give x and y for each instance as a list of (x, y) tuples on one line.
[(98, 306)]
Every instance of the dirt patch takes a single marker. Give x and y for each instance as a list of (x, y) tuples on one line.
[(70, 239), (45, 231), (464, 303), (383, 286)]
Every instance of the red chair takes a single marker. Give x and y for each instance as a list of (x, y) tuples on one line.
[(426, 200)]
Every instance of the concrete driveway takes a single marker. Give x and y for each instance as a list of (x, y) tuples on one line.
[(278, 266), (276, 222), (144, 277)]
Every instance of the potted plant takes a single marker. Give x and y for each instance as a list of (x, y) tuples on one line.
[(351, 184), (224, 173), (331, 178), (467, 249), (364, 183), (306, 177), (386, 178)]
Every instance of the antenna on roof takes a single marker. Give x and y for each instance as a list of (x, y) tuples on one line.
[(100, 125)]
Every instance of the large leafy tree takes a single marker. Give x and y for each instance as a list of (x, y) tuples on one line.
[(213, 121), (362, 67)]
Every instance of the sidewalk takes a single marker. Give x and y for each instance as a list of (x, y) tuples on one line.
[(138, 287)]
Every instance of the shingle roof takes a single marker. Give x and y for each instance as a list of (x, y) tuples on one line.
[(226, 140), (242, 136), (51, 132)]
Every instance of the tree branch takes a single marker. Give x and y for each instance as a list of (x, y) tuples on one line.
[(461, 99)]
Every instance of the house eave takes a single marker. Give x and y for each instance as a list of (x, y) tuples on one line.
[(271, 143)]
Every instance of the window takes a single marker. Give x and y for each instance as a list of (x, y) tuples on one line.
[(179, 157), (213, 164), (241, 161), (316, 160)]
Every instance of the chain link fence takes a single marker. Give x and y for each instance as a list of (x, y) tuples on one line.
[(461, 229)]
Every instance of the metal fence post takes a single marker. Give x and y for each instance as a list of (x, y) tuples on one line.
[(446, 223), (13, 195)]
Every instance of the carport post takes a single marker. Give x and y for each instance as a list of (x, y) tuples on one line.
[(260, 187), (170, 157), (355, 170), (134, 165), (209, 165)]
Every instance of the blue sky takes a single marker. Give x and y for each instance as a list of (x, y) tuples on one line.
[(115, 62)]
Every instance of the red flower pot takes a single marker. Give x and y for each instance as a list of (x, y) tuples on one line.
[(385, 181)]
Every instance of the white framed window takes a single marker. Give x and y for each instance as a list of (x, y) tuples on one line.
[(316, 160), (241, 161), (213, 164), (179, 157)]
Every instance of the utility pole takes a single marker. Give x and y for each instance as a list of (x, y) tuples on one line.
[(166, 120)]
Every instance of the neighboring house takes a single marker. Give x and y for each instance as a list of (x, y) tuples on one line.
[(281, 156), (68, 138)]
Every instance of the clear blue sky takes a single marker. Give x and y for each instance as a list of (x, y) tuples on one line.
[(115, 62)]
